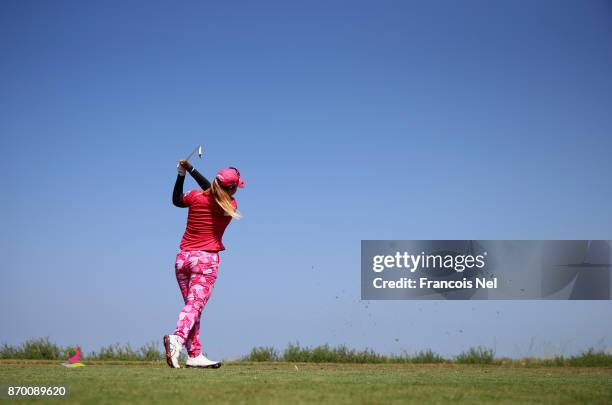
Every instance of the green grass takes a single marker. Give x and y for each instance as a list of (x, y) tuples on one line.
[(282, 383)]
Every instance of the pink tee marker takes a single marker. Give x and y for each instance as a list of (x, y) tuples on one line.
[(76, 358), (74, 361)]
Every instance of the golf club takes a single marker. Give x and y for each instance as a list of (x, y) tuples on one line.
[(197, 149)]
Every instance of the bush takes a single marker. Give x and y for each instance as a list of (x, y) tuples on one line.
[(147, 352), (150, 352), (591, 358), (327, 354), (262, 353), (8, 352), (478, 355), (44, 349), (426, 357), (36, 349)]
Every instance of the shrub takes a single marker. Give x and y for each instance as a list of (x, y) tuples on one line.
[(262, 353), (591, 358), (476, 355), (426, 357), (37, 349)]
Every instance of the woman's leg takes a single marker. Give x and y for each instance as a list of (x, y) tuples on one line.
[(203, 274), (183, 275), (183, 272)]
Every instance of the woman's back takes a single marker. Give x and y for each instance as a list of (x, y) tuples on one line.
[(206, 222)]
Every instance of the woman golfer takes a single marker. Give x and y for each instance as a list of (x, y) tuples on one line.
[(210, 211)]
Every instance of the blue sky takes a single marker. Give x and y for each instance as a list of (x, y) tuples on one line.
[(349, 121)]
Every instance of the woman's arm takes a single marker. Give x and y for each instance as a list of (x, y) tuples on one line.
[(177, 193), (197, 176)]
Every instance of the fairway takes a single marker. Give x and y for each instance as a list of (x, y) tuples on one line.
[(281, 383)]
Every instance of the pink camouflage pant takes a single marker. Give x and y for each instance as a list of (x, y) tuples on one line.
[(196, 273)]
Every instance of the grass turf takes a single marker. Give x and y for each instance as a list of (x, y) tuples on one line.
[(281, 383)]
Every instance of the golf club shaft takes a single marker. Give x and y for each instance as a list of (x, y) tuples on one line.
[(191, 154)]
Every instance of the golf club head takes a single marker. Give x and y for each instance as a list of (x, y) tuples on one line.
[(197, 149)]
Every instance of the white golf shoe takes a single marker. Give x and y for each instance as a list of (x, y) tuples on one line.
[(202, 362), (173, 349)]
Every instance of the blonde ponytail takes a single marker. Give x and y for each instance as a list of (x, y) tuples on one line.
[(224, 199)]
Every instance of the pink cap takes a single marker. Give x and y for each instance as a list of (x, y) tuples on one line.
[(230, 177)]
